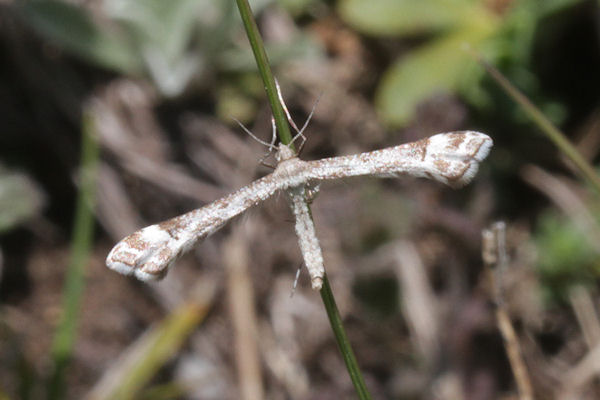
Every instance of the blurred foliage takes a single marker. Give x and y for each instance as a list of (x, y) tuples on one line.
[(296, 7), (81, 244), (565, 256), (151, 352), (184, 42), (441, 64), (401, 17), (175, 43), (76, 31), (20, 199)]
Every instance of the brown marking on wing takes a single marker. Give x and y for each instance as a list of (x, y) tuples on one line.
[(135, 241), (220, 204), (419, 148), (424, 145), (456, 141), (163, 255), (455, 177), (152, 268), (125, 257), (442, 166), (174, 225), (477, 143)]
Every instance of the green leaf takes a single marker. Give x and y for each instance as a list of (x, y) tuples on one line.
[(164, 25), (548, 7), (565, 256), (296, 7), (162, 31), (71, 28), (405, 17), (300, 47), (562, 248), (437, 67)]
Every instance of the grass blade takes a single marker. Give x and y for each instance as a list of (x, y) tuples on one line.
[(66, 332)]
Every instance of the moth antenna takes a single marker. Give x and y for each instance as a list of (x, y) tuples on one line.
[(301, 132), (273, 133), (271, 146), (285, 109), (312, 111), (253, 136)]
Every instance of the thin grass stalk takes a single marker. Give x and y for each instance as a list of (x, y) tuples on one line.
[(285, 136), (66, 331), (546, 126), (264, 68), (342, 340), (495, 263)]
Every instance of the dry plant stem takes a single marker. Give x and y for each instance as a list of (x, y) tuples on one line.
[(553, 133), (576, 378), (561, 194), (286, 138), (585, 312), (142, 360), (580, 375), (494, 258), (242, 311), (419, 305), (66, 332)]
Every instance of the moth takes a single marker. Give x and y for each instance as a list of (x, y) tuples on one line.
[(450, 158)]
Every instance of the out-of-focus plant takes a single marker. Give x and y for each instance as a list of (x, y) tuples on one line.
[(503, 35), (176, 43), (20, 199), (565, 256)]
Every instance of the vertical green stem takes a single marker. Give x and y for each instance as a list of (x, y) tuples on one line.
[(264, 68), (285, 136), (66, 332), (342, 340)]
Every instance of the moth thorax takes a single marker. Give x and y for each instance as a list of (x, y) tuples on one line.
[(285, 153)]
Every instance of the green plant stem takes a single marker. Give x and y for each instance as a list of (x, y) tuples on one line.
[(66, 332), (264, 68), (342, 340), (552, 132), (284, 134)]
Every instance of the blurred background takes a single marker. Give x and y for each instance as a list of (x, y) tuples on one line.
[(117, 114)]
